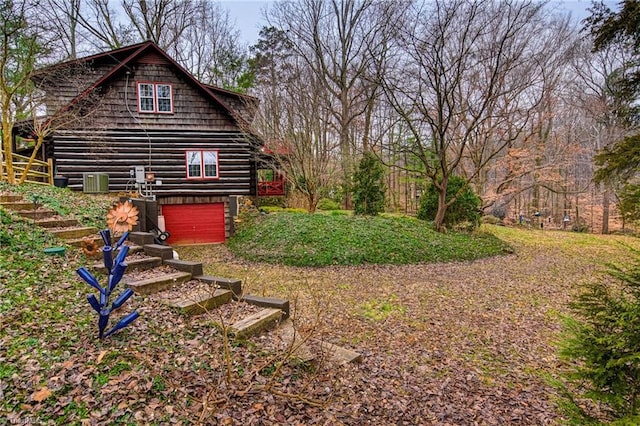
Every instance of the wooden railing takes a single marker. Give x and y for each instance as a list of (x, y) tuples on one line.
[(266, 189), (40, 171)]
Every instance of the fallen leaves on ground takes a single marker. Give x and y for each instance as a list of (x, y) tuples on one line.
[(442, 344)]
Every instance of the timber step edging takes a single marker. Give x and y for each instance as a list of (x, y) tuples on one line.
[(37, 214), (73, 233), (338, 354), (308, 349), (194, 268), (200, 303), (134, 265), (20, 205), (10, 198), (296, 344), (253, 324), (269, 302), (57, 223), (157, 284), (233, 284)]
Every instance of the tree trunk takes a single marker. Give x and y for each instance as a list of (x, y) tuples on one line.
[(605, 210), (31, 158), (8, 148), (442, 207)]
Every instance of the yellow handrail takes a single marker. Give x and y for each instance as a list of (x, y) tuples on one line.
[(40, 171)]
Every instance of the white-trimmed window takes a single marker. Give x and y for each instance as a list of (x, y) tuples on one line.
[(155, 98), (202, 164)]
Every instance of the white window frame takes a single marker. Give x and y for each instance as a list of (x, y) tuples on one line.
[(154, 97), (199, 157)]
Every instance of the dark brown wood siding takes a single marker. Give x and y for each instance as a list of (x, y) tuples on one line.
[(115, 103), (161, 152)]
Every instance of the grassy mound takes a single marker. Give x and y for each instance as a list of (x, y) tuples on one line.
[(321, 240)]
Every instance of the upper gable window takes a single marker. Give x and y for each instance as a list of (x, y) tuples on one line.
[(155, 98)]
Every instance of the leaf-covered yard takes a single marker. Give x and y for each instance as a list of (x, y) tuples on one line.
[(455, 343)]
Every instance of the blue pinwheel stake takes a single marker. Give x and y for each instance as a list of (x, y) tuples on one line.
[(115, 268)]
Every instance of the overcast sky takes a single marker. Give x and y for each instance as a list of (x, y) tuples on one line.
[(247, 14)]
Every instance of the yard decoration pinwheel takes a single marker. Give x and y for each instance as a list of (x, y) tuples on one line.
[(115, 268)]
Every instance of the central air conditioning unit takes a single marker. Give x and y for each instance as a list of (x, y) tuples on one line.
[(94, 183)]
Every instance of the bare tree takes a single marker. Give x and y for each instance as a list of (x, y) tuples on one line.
[(20, 49), (210, 46), (466, 71), (161, 21), (595, 92), (334, 39), (100, 23), (63, 18), (531, 159), (293, 117)]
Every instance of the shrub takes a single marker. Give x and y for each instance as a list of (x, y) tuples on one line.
[(368, 186), (463, 213), (604, 341), (491, 220), (328, 204), (270, 201), (294, 210), (271, 209)]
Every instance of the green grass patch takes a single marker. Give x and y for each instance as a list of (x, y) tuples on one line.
[(379, 310), (321, 240)]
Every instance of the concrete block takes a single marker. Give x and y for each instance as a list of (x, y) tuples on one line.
[(141, 238), (158, 250), (269, 302), (232, 284)]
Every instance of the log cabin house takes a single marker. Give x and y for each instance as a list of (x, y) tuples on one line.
[(143, 121)]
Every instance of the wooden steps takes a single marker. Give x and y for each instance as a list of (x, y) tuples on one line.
[(57, 223), (222, 290), (254, 324), (9, 198), (310, 350), (338, 354), (202, 302), (73, 232), (36, 214), (143, 264), (21, 205), (157, 284)]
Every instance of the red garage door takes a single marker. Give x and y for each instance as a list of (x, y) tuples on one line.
[(194, 223)]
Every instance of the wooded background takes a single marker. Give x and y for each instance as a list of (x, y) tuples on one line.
[(510, 95)]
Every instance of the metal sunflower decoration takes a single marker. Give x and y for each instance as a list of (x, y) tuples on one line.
[(89, 247), (122, 217)]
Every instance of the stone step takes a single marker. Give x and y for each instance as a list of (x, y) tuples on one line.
[(164, 252), (202, 302), (10, 198), (268, 302), (134, 265), (194, 268), (157, 284), (19, 205), (296, 344), (254, 324), (232, 284), (338, 354), (37, 214), (73, 233), (57, 223)]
